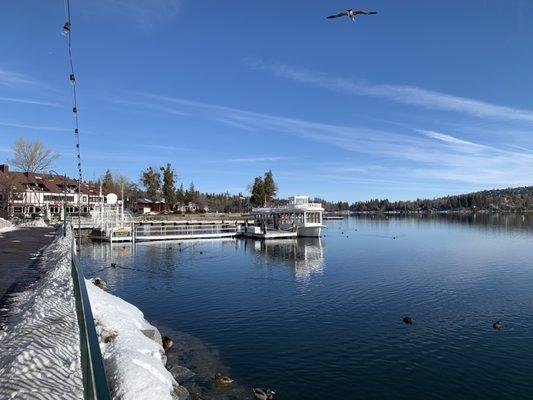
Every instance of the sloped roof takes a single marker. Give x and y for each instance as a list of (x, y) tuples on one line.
[(21, 181)]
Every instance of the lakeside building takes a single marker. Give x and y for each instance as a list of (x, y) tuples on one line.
[(299, 216), (146, 206), (25, 193)]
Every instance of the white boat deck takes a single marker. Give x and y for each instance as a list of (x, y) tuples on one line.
[(271, 235)]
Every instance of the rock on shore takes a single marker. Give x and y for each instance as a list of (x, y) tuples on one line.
[(134, 358)]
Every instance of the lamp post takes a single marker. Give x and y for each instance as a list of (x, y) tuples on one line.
[(50, 176)]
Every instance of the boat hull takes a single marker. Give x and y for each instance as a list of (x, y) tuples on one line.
[(309, 231)]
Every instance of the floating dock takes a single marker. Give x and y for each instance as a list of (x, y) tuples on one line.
[(333, 217), (139, 231), (270, 235)]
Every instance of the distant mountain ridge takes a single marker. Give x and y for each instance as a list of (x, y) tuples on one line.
[(496, 200), (511, 199)]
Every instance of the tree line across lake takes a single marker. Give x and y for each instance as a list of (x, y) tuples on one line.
[(507, 200)]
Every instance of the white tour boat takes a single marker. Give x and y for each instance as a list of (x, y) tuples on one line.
[(298, 216)]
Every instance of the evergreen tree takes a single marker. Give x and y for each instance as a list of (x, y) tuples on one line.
[(169, 184), (191, 195), (107, 182), (180, 195), (151, 180), (258, 192), (269, 187)]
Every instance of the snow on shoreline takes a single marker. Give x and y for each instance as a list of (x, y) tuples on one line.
[(36, 223), (132, 351), (40, 348), (6, 226)]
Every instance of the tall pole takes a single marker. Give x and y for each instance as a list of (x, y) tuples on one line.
[(65, 205), (122, 206)]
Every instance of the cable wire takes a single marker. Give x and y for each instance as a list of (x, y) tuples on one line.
[(67, 30)]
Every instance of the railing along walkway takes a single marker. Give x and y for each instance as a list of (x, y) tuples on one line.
[(94, 377)]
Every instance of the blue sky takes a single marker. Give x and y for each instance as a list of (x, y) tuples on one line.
[(423, 99)]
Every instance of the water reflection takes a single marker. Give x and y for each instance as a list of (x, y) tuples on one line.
[(275, 313), (304, 256), (487, 221)]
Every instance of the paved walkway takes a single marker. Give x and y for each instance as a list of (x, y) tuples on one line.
[(20, 259)]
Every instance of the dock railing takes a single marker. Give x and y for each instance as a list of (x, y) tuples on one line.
[(94, 377), (184, 228)]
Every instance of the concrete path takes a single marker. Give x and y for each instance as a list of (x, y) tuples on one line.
[(20, 259)]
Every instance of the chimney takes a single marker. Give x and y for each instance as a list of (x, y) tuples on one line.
[(4, 168)]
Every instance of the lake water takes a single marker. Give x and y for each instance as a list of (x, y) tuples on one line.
[(322, 318)]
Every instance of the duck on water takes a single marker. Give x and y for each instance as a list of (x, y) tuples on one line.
[(263, 394)]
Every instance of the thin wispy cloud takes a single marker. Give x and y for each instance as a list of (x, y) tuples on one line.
[(146, 14), (404, 94), (255, 159), (419, 153), (451, 139), (527, 150), (15, 79), (30, 101), (36, 127)]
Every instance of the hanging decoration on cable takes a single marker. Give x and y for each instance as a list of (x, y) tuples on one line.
[(67, 32)]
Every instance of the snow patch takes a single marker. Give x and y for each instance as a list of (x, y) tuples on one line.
[(6, 226), (39, 346), (133, 355), (36, 223)]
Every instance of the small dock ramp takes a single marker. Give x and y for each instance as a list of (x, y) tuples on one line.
[(178, 230)]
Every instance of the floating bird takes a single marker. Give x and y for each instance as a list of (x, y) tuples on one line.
[(352, 14), (408, 320), (167, 343), (113, 265), (497, 325), (222, 379), (263, 394)]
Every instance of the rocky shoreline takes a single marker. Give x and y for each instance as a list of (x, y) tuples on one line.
[(132, 350)]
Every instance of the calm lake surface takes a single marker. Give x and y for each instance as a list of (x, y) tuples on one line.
[(322, 318)]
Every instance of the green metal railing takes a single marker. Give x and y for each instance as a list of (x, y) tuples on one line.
[(94, 377)]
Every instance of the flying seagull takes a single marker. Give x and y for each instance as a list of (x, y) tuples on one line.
[(352, 14)]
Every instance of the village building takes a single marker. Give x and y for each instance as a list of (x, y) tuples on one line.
[(23, 194), (145, 206)]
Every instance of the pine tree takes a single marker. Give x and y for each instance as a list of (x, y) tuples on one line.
[(151, 180), (191, 195), (169, 184), (270, 188), (258, 192), (107, 182), (180, 195)]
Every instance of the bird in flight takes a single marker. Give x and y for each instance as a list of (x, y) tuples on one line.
[(352, 14)]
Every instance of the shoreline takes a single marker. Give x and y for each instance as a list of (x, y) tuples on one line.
[(465, 212), (134, 359)]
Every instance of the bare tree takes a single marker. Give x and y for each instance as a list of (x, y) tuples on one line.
[(32, 156)]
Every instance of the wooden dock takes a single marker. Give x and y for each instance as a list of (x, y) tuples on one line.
[(333, 217), (143, 231), (271, 235)]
